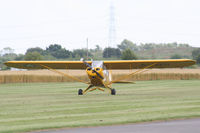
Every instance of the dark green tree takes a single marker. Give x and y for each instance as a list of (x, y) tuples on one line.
[(57, 51), (195, 53), (128, 55), (53, 47), (198, 59), (111, 52), (126, 44), (81, 53), (33, 56), (19, 57), (176, 56), (36, 49), (7, 56)]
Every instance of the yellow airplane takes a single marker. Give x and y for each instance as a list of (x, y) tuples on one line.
[(99, 72)]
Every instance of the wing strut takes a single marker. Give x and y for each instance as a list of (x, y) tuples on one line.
[(64, 74), (131, 74)]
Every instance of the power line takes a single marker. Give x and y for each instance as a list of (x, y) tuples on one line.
[(112, 30)]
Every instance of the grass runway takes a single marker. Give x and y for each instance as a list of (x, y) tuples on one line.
[(36, 106)]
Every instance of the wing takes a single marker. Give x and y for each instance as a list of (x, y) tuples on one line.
[(140, 64), (50, 64), (121, 64)]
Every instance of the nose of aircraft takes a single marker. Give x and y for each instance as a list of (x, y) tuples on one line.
[(93, 72)]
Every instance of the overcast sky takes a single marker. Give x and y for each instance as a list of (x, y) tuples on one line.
[(39, 23)]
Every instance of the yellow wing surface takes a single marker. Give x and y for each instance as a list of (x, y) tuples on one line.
[(120, 64)]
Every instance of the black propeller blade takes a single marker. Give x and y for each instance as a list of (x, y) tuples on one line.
[(87, 64)]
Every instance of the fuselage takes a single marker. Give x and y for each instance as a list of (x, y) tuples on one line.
[(98, 74), (94, 78)]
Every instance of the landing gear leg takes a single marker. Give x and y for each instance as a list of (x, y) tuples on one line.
[(81, 92)]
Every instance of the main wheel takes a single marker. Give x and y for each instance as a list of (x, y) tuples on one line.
[(113, 91), (80, 92)]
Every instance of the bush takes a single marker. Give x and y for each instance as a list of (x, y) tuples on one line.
[(128, 55)]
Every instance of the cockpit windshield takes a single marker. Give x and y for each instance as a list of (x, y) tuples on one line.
[(97, 64)]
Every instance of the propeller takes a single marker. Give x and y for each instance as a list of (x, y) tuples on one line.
[(88, 65)]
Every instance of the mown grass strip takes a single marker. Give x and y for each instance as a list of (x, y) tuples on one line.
[(34, 106)]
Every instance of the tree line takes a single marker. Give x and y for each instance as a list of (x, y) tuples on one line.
[(126, 50)]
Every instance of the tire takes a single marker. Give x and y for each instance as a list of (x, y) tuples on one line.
[(80, 92), (113, 91)]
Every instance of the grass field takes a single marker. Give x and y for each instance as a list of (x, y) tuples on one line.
[(35, 106)]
